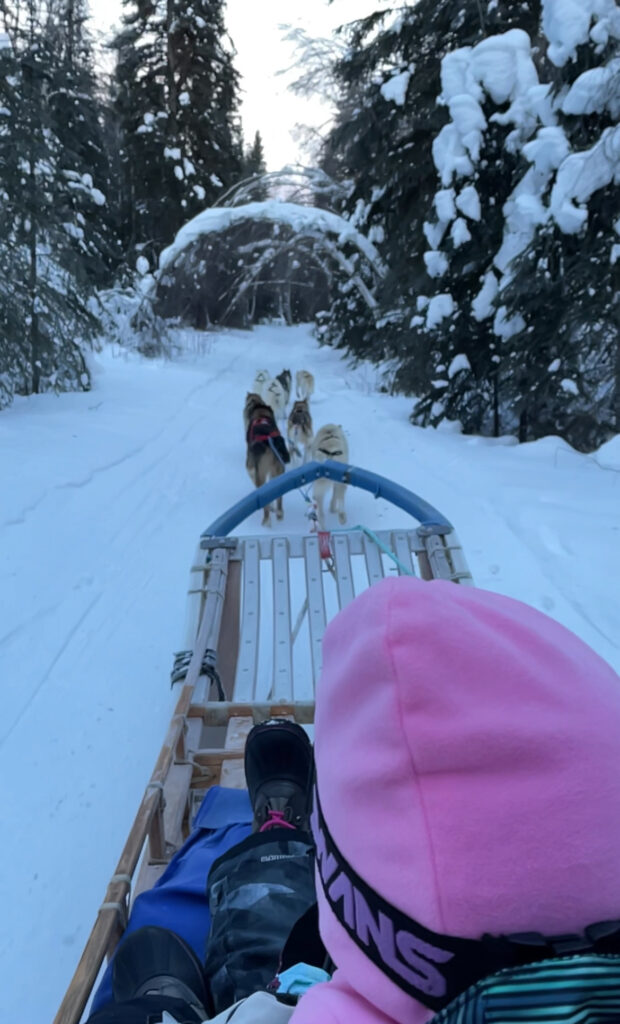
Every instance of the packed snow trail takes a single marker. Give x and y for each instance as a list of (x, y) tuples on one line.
[(104, 496)]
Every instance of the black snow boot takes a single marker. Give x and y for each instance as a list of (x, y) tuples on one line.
[(279, 768), (156, 962)]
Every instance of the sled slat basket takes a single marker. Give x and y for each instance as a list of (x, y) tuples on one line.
[(258, 608)]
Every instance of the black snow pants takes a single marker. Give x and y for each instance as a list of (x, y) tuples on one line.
[(257, 891)]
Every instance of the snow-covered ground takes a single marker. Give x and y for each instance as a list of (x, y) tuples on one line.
[(103, 497)]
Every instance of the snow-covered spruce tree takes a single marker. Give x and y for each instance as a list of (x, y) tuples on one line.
[(562, 369), (177, 101), (491, 93), (78, 112), (47, 292), (383, 144)]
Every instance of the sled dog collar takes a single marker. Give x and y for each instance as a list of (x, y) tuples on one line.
[(431, 967)]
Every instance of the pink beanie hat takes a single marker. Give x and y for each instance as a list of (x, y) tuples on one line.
[(468, 767)]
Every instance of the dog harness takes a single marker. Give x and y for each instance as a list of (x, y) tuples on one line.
[(261, 429)]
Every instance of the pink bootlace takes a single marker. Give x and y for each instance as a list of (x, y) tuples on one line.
[(276, 819)]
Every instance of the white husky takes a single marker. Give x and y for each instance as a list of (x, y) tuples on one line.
[(274, 394), (261, 379), (330, 443), (304, 384)]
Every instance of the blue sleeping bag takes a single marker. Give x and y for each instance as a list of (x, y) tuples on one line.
[(179, 899)]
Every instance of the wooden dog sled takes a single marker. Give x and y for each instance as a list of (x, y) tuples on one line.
[(257, 610)]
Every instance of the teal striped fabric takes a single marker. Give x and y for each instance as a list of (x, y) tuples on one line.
[(582, 989)]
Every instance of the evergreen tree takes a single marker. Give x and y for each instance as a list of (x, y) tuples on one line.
[(443, 190), (254, 161), (77, 113), (383, 142), (46, 309), (562, 369), (177, 100), (254, 166), (460, 329)]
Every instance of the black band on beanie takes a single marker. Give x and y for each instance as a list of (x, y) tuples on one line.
[(431, 967)]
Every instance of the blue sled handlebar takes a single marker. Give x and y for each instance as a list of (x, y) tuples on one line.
[(380, 486)]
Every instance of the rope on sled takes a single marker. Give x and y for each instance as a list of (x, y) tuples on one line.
[(311, 511), (386, 550)]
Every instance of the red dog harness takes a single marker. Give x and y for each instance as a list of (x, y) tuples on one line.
[(261, 430)]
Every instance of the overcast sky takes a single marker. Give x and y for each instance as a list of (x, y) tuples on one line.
[(261, 53)]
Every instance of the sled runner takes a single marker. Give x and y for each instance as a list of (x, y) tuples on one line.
[(257, 610)]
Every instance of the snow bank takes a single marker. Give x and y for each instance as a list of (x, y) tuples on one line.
[(609, 453), (302, 219)]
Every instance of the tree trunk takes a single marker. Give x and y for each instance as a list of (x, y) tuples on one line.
[(35, 348), (616, 406), (496, 420), (31, 234), (70, 15), (523, 426), (288, 313), (173, 99)]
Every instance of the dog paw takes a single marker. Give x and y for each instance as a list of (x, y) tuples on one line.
[(280, 514)]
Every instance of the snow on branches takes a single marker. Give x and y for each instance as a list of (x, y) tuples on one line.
[(568, 24), (558, 184), (246, 258)]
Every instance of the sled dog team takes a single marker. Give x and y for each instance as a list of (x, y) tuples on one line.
[(268, 453)]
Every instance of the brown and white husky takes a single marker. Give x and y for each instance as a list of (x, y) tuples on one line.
[(330, 443), (299, 431), (267, 453)]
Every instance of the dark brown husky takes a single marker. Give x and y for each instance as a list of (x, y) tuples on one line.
[(267, 453), (299, 430)]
